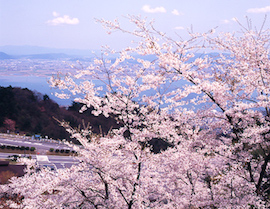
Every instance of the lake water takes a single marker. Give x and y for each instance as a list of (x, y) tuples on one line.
[(34, 83), (40, 84)]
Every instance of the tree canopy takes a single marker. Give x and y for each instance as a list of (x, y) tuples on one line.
[(220, 152)]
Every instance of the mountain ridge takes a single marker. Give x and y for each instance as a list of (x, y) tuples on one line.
[(4, 56), (32, 50)]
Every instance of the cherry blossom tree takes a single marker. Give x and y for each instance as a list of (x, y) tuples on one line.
[(10, 124), (212, 108)]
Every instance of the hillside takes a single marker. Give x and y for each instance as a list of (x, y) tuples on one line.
[(25, 111), (4, 56)]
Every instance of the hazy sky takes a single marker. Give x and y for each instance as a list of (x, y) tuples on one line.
[(71, 24)]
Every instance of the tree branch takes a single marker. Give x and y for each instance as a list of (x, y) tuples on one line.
[(262, 173)]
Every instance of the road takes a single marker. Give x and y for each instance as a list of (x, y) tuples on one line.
[(42, 146), (56, 161)]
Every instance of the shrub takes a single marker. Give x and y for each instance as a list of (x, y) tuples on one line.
[(3, 146), (32, 149), (62, 151), (57, 150), (67, 151), (51, 149), (27, 148)]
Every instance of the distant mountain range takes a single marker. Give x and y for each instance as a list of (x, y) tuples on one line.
[(49, 56), (33, 50), (4, 56), (36, 52)]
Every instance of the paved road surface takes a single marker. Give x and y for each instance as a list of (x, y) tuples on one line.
[(56, 161), (41, 145)]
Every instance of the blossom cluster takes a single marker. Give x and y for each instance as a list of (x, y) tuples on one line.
[(216, 123)]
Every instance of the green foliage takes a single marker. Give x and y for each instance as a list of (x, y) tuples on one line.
[(14, 158), (46, 97), (34, 113), (7, 104)]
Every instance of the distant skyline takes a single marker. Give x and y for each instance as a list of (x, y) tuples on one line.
[(71, 23)]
